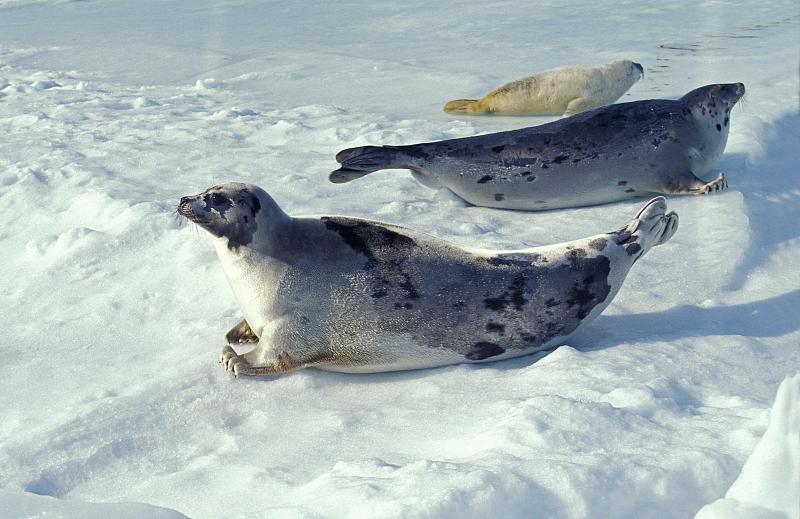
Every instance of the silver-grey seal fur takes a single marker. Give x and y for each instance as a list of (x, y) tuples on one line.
[(603, 155), (353, 295)]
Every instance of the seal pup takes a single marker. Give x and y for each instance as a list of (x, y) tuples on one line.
[(353, 295), (604, 155), (563, 90)]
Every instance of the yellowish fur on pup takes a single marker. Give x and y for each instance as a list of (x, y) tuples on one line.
[(564, 90)]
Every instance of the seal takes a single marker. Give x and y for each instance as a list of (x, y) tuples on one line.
[(564, 90), (353, 295), (603, 155)]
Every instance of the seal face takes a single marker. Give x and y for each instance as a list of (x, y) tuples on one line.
[(603, 155), (228, 211), (565, 90), (347, 294)]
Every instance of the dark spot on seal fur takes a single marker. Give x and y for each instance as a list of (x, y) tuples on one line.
[(484, 350), (560, 159), (498, 149), (551, 302), (407, 306), (458, 304), (632, 248), (408, 287), (484, 179), (367, 238), (719, 128), (584, 295), (385, 251), (598, 243), (495, 328), (499, 197), (630, 190), (727, 120), (498, 261), (239, 230), (513, 296), (529, 338), (575, 253), (545, 166), (530, 178)]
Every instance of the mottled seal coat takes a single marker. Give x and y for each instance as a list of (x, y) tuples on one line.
[(347, 294), (564, 90), (607, 154)]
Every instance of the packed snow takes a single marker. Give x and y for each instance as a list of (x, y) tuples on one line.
[(769, 485), (114, 314)]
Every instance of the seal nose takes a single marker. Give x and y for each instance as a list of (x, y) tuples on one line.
[(184, 206), (640, 68)]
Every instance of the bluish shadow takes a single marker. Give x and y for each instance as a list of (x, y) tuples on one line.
[(770, 186)]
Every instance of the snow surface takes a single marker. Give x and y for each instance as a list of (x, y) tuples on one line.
[(769, 485), (113, 314)]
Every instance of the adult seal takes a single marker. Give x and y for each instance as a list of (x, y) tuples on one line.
[(603, 155), (353, 295), (564, 90)]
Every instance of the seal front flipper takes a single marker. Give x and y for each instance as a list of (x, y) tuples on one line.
[(251, 363), (363, 160), (241, 333), (718, 184), (690, 184)]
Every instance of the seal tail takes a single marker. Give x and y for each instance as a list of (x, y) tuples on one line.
[(651, 227), (460, 106), (357, 162)]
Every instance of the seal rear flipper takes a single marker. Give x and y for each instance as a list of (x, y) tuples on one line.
[(461, 106), (652, 226), (363, 160)]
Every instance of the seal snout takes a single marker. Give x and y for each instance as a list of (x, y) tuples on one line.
[(185, 207), (640, 68), (731, 93)]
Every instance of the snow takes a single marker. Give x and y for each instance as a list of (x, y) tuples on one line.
[(769, 485), (114, 314), (31, 506)]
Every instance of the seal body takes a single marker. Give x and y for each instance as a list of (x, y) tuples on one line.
[(607, 154), (564, 90), (347, 294)]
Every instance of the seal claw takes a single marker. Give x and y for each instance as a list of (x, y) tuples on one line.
[(718, 184)]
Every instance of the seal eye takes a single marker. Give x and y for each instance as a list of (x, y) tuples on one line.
[(217, 199)]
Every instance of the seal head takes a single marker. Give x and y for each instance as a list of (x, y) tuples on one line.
[(713, 100), (239, 213)]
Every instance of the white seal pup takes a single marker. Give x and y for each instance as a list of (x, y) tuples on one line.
[(353, 295), (564, 90), (607, 154)]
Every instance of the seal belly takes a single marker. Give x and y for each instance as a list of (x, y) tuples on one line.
[(560, 184)]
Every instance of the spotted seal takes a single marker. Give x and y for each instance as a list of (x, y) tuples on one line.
[(603, 155), (353, 295), (564, 90)]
